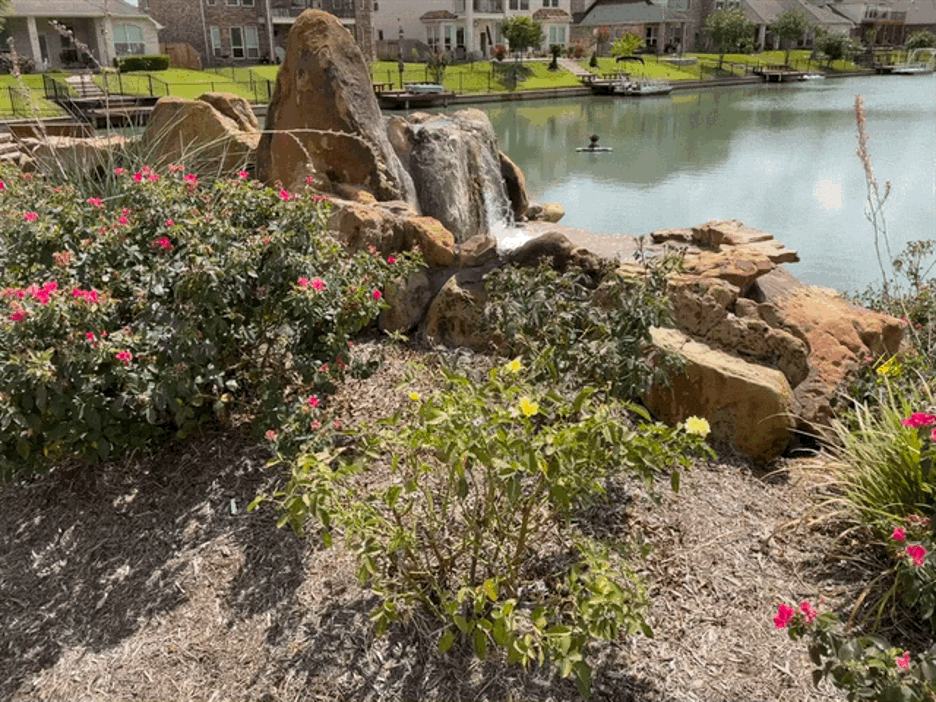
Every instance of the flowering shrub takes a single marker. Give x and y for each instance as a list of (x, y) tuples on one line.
[(163, 304), (482, 479)]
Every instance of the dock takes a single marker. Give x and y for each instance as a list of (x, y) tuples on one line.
[(778, 73)]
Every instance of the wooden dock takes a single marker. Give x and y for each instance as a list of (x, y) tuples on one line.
[(778, 73)]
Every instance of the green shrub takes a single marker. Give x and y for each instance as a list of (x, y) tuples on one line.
[(573, 332), (462, 509), (157, 62), (170, 302)]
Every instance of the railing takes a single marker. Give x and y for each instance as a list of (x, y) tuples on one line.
[(260, 89)]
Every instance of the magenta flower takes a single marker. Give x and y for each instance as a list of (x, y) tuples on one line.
[(270, 435), (138, 177), (309, 180), (809, 613), (284, 194), (153, 177), (316, 424), (30, 216), (784, 614), (123, 220), (903, 662), (376, 295), (175, 167), (86, 295), (899, 534), (2, 185), (124, 357), (90, 336), (391, 260), (95, 202), (191, 179), (917, 553), (170, 223), (119, 171), (919, 419), (318, 284), (313, 401), (163, 244), (243, 174), (18, 316), (303, 282)]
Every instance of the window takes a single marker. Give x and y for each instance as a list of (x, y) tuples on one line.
[(448, 37), (233, 3), (557, 35), (376, 7), (128, 39), (252, 39), (550, 3), (247, 3), (379, 35), (237, 42), (298, 3), (460, 37), (524, 4), (513, 4), (216, 41), (211, 2)]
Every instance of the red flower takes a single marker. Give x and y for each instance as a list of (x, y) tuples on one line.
[(899, 534), (30, 216), (153, 177), (284, 194), (124, 357), (119, 171), (270, 435), (170, 222), (123, 220), (313, 401), (903, 662), (95, 202), (919, 419), (243, 174), (316, 424), (163, 244), (809, 613), (784, 614), (138, 177), (376, 295), (917, 553), (18, 316), (391, 260)]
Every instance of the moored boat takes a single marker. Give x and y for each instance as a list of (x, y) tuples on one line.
[(642, 87)]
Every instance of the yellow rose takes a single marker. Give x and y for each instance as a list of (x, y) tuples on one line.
[(698, 425)]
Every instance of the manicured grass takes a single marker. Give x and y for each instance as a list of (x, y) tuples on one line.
[(179, 82), (13, 103), (477, 77)]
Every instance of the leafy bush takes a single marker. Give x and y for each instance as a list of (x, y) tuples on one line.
[(157, 62), (453, 510), (168, 303), (571, 331)]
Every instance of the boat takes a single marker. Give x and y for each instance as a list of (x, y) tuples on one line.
[(812, 76), (642, 87)]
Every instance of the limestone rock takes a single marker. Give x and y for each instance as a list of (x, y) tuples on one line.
[(718, 233), (358, 225), (453, 159), (193, 132), (456, 315), (408, 302), (434, 240), (67, 155), (235, 107), (516, 186), (324, 111), (478, 250), (556, 246), (354, 194), (746, 405)]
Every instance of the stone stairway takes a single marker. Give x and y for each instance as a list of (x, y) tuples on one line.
[(83, 84), (11, 150)]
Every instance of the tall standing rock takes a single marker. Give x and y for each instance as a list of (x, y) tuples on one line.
[(324, 111)]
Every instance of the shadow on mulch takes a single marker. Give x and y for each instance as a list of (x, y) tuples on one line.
[(96, 558)]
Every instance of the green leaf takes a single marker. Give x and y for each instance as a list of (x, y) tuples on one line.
[(462, 624), (490, 589), (445, 643), (674, 480), (393, 494), (480, 643)]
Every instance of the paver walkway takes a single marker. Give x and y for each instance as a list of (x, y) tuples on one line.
[(573, 67)]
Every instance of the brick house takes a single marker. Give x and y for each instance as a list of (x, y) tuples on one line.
[(108, 28), (244, 32)]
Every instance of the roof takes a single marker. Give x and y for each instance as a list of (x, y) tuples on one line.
[(622, 12), (767, 11), (552, 14), (921, 13), (73, 8), (437, 15), (763, 11)]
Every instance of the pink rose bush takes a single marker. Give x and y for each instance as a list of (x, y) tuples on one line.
[(148, 333)]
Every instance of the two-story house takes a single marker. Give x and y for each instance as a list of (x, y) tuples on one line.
[(232, 32)]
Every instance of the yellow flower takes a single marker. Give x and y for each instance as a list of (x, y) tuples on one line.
[(889, 369), (514, 366), (414, 396), (528, 408), (698, 425)]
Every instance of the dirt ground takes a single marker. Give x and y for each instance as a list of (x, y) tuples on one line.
[(146, 579)]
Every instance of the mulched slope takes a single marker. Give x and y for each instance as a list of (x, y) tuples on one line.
[(145, 579)]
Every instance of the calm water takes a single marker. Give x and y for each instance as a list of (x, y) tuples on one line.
[(780, 158)]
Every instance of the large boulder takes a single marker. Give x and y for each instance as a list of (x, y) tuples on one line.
[(456, 168), (456, 315), (747, 405), (196, 133), (324, 117), (69, 155), (516, 186), (435, 241)]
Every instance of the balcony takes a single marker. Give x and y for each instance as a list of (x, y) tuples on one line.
[(488, 7), (342, 9)]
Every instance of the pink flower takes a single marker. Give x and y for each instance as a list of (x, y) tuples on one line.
[(391, 260), (903, 662), (18, 316), (899, 534), (163, 244), (313, 401), (90, 336), (784, 614), (809, 613), (191, 180), (124, 357), (303, 282), (175, 168), (336, 424), (243, 174), (919, 419), (316, 424), (376, 295), (270, 435), (145, 170), (30, 216), (86, 295), (323, 368), (153, 177), (284, 194), (170, 222), (138, 177), (320, 198), (2, 186), (917, 553), (318, 284), (119, 171), (123, 220), (95, 202)]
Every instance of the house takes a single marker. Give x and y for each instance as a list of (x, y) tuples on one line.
[(471, 28), (244, 32), (665, 25), (764, 12), (108, 28)]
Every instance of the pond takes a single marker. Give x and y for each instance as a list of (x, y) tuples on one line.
[(781, 158)]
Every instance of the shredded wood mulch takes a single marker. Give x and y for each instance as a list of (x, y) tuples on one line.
[(146, 579)]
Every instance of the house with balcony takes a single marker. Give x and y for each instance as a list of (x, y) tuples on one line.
[(91, 32), (664, 25), (244, 32), (471, 28)]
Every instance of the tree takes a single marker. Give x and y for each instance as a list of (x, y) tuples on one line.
[(626, 44), (727, 29), (836, 46), (922, 39), (4, 11), (522, 33), (790, 26), (556, 51), (602, 37)]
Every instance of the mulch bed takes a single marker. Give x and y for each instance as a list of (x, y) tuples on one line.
[(146, 579)]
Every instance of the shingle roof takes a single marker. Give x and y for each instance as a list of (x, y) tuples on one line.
[(73, 8), (551, 13), (625, 12), (438, 15)]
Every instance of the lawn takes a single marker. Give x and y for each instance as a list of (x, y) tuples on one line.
[(13, 103), (180, 82), (477, 77)]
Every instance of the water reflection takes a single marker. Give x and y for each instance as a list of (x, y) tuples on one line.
[(781, 158)]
